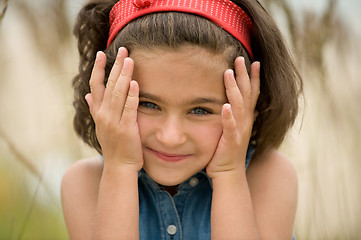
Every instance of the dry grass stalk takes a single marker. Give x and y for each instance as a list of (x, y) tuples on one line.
[(26, 162), (3, 7)]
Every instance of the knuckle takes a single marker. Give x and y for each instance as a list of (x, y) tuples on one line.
[(240, 108), (106, 124), (118, 94), (233, 84), (247, 92), (91, 84), (118, 61), (110, 83), (128, 108), (101, 115), (123, 129), (98, 118), (124, 73)]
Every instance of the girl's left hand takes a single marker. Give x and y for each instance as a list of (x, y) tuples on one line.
[(237, 119)]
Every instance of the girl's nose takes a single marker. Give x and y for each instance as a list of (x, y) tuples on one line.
[(171, 133)]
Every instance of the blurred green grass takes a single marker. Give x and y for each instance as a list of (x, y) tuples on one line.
[(25, 214), (38, 60)]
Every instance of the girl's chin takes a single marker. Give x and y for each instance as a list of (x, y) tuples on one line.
[(167, 179), (169, 182)]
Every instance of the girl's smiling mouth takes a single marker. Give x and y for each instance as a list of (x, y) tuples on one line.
[(168, 157)]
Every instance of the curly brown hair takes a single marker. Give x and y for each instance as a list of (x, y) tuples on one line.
[(281, 83)]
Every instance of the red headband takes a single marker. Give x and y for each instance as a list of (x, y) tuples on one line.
[(224, 13)]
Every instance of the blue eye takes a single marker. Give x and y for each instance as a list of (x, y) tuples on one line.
[(149, 105), (200, 111)]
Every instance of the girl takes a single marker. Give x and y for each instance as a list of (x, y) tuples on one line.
[(180, 98)]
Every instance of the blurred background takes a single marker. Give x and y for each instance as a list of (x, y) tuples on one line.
[(38, 59)]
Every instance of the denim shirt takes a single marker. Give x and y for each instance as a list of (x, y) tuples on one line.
[(186, 215)]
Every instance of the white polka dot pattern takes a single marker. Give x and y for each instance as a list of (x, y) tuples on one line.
[(224, 13)]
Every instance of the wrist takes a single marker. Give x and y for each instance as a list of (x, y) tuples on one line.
[(120, 170), (229, 181), (114, 163), (231, 173)]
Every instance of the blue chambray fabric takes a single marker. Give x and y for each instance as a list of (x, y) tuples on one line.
[(186, 215)]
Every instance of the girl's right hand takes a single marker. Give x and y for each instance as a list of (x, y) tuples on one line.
[(114, 110)]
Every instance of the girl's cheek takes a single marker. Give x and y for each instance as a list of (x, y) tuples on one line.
[(208, 135), (148, 126), (144, 124)]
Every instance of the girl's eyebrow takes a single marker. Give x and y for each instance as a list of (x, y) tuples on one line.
[(150, 96), (195, 101), (202, 100)]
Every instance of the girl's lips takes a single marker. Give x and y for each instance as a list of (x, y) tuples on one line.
[(169, 157)]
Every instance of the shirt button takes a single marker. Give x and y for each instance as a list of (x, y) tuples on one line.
[(193, 182), (172, 229)]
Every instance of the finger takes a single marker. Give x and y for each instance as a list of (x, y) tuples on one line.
[(229, 123), (96, 80), (242, 78), (121, 89), (255, 82), (131, 104), (114, 76), (234, 95)]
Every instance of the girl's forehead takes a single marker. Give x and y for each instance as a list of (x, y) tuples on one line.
[(185, 73), (187, 62), (184, 54)]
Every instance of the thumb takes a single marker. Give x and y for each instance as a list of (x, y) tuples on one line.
[(89, 100)]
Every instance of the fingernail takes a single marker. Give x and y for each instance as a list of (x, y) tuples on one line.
[(119, 51), (98, 54), (227, 110), (230, 73), (242, 60), (227, 106), (127, 60)]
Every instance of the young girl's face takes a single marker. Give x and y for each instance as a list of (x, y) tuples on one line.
[(179, 114)]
